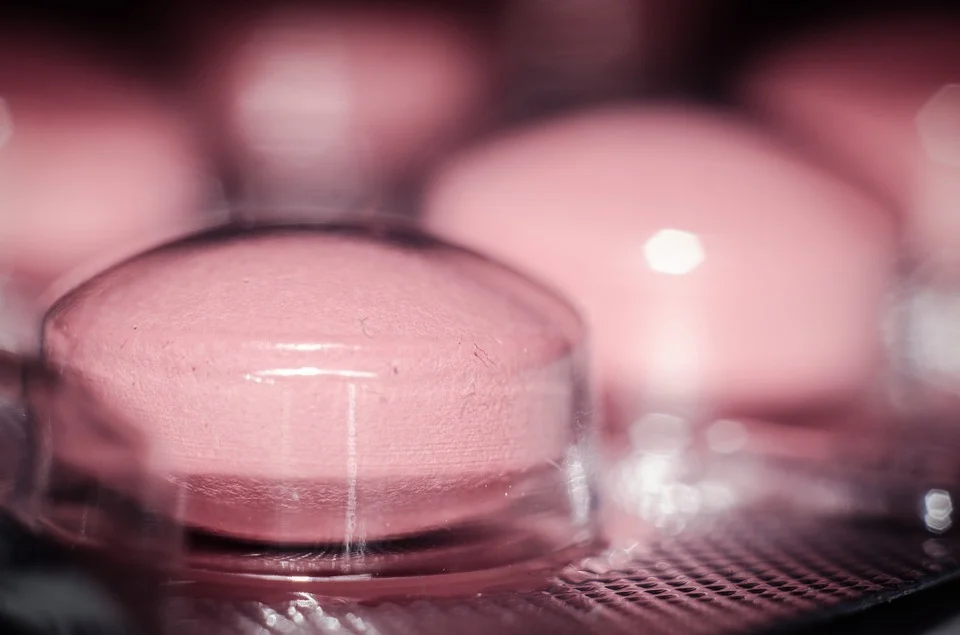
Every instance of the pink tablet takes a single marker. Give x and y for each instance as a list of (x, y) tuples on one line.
[(94, 166), (332, 388), (880, 100), (584, 50), (717, 270), (852, 95), (333, 103)]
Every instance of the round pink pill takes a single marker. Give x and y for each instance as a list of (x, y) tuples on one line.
[(343, 100), (852, 94), (304, 385), (583, 50), (93, 165), (716, 269)]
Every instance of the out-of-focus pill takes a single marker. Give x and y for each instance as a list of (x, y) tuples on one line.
[(94, 166), (578, 51), (716, 268), (852, 95), (336, 102)]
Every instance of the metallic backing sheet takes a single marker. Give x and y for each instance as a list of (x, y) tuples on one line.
[(746, 574)]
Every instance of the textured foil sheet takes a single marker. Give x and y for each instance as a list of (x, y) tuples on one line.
[(746, 574)]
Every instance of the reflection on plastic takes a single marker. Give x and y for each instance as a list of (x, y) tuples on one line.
[(361, 408), (872, 461), (938, 510), (46, 414)]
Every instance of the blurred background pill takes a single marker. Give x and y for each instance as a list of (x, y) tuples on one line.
[(717, 269), (327, 105), (850, 92), (576, 52), (95, 165)]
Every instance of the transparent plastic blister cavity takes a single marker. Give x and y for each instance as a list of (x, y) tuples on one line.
[(354, 408)]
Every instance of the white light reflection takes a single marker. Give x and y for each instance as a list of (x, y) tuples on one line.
[(652, 474), (578, 486), (268, 617), (359, 624), (648, 487), (350, 521), (306, 602), (661, 480), (310, 347), (672, 342), (933, 330), (329, 623), (938, 510), (673, 252), (931, 309), (649, 481), (267, 376)]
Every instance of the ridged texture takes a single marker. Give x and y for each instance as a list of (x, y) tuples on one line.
[(739, 576)]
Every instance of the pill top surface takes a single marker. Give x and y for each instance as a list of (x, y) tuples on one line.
[(309, 353), (712, 263)]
